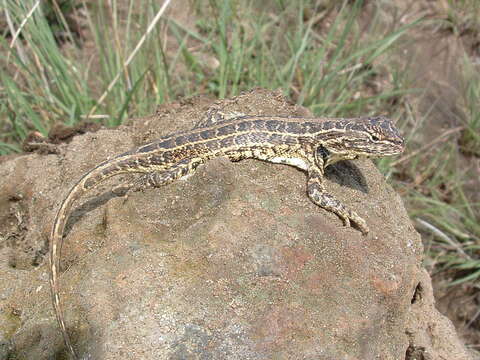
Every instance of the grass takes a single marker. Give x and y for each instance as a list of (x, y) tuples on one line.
[(440, 193), (461, 16), (333, 69), (46, 84)]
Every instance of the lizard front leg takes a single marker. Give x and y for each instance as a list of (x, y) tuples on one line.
[(319, 196)]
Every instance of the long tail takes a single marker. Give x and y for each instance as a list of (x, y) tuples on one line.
[(56, 242), (89, 181)]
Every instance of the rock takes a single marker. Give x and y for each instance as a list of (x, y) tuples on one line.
[(234, 263)]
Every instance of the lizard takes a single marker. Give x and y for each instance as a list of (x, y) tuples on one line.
[(310, 144)]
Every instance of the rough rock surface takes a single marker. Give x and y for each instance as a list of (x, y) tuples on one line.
[(234, 263)]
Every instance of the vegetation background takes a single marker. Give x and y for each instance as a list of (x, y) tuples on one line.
[(74, 62)]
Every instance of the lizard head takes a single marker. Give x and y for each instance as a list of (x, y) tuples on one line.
[(363, 137)]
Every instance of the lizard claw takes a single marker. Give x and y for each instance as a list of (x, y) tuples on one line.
[(358, 222), (361, 225)]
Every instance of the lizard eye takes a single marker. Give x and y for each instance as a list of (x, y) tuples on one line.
[(375, 138)]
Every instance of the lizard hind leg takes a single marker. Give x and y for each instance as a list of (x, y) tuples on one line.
[(155, 179)]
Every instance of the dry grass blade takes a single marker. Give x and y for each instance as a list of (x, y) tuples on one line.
[(132, 55), (440, 234), (19, 30)]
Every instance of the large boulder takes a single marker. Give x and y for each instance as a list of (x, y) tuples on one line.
[(233, 263)]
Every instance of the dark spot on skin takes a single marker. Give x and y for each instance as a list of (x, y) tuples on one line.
[(272, 125), (276, 139), (259, 125), (194, 137), (243, 126), (180, 140), (226, 130), (255, 139), (207, 134), (356, 127), (241, 140), (327, 125), (168, 144), (294, 128), (290, 140), (385, 126), (227, 142)]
